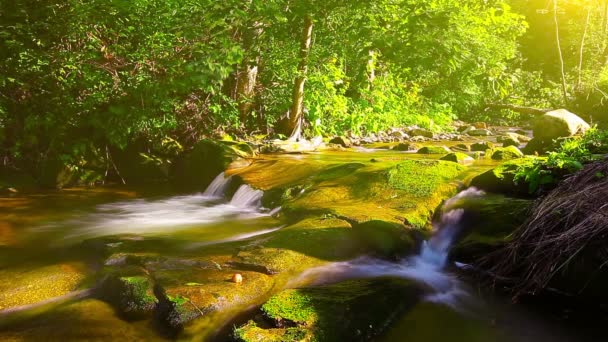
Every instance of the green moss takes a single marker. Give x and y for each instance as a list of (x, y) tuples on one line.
[(31, 284), (250, 332), (505, 153), (457, 157), (422, 178), (347, 311), (434, 150)]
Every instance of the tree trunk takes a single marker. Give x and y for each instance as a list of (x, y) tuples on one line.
[(371, 68), (559, 52), (297, 105), (247, 74), (246, 81)]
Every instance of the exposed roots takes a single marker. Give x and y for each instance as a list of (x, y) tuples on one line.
[(567, 228)]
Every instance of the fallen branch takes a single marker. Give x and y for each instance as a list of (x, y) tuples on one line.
[(518, 109)]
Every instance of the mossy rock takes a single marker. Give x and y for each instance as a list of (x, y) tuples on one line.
[(87, 320), (130, 291), (251, 332), (489, 222), (342, 141), (482, 146), (405, 147), (434, 150), (196, 169), (189, 293), (355, 310), (32, 284), (458, 157), (506, 153), (386, 239), (501, 179), (461, 148)]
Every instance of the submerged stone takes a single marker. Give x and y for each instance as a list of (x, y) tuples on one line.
[(434, 150)]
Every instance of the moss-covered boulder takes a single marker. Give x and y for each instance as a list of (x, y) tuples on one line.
[(461, 148), (356, 310), (342, 141), (32, 284), (506, 153), (420, 132), (482, 146), (502, 178), (195, 169), (407, 146), (188, 293), (489, 222), (87, 320), (458, 157), (559, 123), (386, 239), (130, 291), (434, 150)]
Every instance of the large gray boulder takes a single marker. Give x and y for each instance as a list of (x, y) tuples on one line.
[(559, 123)]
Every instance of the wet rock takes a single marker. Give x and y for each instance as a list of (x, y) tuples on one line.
[(130, 291), (399, 135), (342, 141), (386, 239), (480, 133), (482, 146), (502, 179), (32, 284), (480, 125), (421, 132), (356, 310), (559, 123), (458, 157), (506, 153), (87, 320), (405, 147), (196, 169), (509, 141), (461, 148), (434, 150), (187, 294)]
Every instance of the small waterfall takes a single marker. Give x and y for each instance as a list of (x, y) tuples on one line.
[(218, 186), (428, 267), (247, 197)]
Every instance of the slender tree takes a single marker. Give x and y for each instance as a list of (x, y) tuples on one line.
[(297, 106), (559, 52)]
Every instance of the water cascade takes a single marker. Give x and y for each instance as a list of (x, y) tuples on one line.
[(218, 186), (144, 216), (428, 267)]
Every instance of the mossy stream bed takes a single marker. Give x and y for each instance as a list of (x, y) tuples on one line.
[(119, 263)]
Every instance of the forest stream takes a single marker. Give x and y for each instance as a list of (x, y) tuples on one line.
[(317, 239)]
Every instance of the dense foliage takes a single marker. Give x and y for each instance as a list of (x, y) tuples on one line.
[(82, 79)]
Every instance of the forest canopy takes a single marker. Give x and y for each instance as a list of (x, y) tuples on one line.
[(81, 78)]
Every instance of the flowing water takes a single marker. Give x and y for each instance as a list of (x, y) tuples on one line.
[(39, 229)]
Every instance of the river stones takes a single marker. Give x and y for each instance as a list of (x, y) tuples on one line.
[(434, 150), (421, 132)]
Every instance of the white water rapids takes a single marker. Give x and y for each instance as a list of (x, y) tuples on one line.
[(143, 216), (428, 267)]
